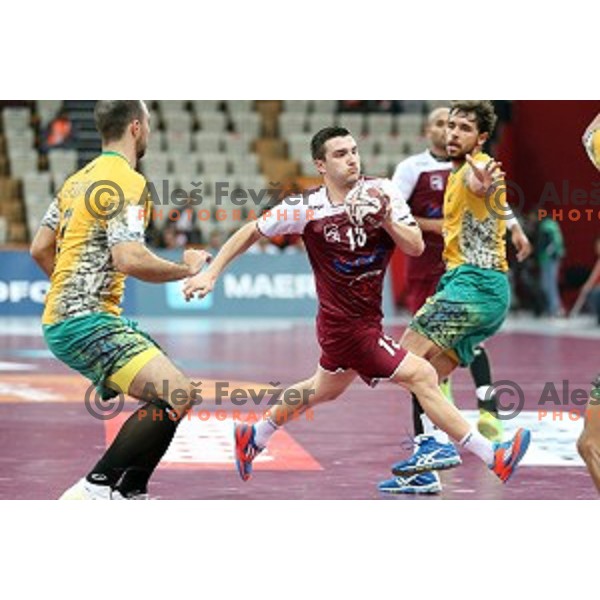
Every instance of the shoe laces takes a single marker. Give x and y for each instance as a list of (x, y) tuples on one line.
[(253, 450), (409, 441)]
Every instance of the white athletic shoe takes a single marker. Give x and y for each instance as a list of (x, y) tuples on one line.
[(84, 490), (116, 495)]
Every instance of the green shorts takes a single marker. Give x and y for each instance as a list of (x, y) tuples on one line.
[(469, 306), (106, 349)]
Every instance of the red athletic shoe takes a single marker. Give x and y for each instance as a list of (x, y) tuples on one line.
[(507, 455), (245, 449)]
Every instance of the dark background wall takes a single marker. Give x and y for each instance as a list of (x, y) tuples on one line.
[(545, 148)]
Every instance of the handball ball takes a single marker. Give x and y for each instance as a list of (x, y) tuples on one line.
[(367, 204)]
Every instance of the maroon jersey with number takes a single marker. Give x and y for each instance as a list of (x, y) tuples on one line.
[(349, 262)]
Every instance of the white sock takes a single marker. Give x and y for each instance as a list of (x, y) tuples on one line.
[(474, 442), (441, 437), (482, 391), (263, 430)]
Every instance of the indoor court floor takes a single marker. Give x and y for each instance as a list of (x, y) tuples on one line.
[(48, 438)]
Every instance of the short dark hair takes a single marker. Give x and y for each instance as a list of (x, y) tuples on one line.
[(317, 144), (485, 115), (113, 116)]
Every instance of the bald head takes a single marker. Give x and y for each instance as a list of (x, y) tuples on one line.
[(441, 112), (436, 130)]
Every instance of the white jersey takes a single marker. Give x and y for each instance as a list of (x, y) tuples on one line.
[(422, 180)]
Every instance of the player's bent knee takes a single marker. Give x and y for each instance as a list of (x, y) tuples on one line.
[(586, 445), (582, 446), (159, 410), (310, 384), (425, 375), (185, 397), (176, 392)]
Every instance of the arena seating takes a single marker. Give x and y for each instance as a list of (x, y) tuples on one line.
[(243, 143)]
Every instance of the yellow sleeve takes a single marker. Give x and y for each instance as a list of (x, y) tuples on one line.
[(592, 145)]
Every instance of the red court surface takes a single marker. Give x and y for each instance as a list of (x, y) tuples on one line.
[(48, 439)]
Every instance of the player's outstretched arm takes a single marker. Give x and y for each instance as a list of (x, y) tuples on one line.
[(43, 249), (237, 244), (135, 259)]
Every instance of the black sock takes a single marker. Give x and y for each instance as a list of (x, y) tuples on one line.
[(142, 436), (417, 412), (480, 368), (135, 479), (490, 405), (482, 376)]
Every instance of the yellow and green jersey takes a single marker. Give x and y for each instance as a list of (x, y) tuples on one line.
[(592, 145), (473, 234), (103, 204)]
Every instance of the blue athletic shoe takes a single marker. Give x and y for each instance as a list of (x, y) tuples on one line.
[(430, 456), (421, 483)]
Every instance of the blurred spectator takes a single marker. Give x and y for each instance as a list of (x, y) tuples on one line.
[(215, 240), (3, 230), (186, 223), (357, 106), (59, 133), (384, 106), (525, 275), (592, 285), (171, 239), (294, 245), (550, 252), (153, 235), (369, 106)]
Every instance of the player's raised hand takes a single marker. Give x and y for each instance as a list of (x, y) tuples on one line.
[(196, 259), (199, 286), (485, 175)]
